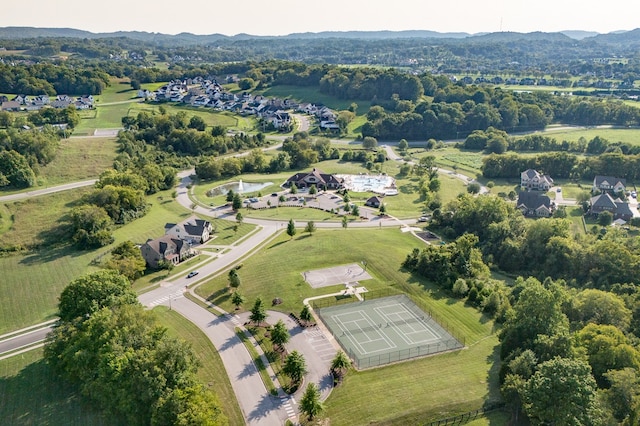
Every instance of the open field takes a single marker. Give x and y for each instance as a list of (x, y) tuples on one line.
[(33, 395), (211, 372), (79, 159), (119, 90), (629, 136), (305, 94)]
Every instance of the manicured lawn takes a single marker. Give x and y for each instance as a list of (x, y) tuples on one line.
[(119, 90), (430, 388), (211, 372), (276, 271), (79, 159), (33, 395), (31, 284), (419, 391)]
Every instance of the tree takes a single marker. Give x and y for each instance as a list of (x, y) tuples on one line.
[(295, 367), (258, 312), (567, 386), (383, 209), (339, 365), (345, 222), (91, 226), (305, 314), (355, 210), (310, 228), (537, 312), (369, 142), (605, 218), (623, 395), (127, 259), (291, 228), (239, 218), (403, 145), (234, 279), (293, 189), (280, 335), (473, 188), (236, 204), (313, 190), (607, 348), (310, 403), (230, 196), (237, 299)]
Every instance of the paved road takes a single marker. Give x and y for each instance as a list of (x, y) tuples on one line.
[(45, 191), (258, 406), (23, 339)]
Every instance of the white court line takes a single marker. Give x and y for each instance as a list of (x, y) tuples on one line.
[(346, 330), (394, 317)]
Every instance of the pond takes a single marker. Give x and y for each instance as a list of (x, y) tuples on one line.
[(238, 187)]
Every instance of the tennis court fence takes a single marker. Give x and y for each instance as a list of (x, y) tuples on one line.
[(362, 362), (389, 292)]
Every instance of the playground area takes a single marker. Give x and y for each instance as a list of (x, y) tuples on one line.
[(343, 274), (386, 330), (380, 184)]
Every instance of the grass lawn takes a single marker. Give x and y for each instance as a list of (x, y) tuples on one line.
[(624, 135), (33, 280), (429, 389), (446, 385), (211, 372), (33, 395), (119, 90), (276, 271), (308, 94), (79, 159)]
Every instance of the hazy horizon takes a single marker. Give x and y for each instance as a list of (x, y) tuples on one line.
[(283, 17)]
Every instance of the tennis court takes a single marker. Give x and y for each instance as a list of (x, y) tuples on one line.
[(386, 330)]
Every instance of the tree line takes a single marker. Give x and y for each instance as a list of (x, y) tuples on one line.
[(570, 321)]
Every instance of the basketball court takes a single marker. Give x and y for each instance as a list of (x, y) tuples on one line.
[(343, 274)]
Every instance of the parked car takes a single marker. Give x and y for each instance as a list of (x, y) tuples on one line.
[(192, 274), (559, 190), (423, 219)]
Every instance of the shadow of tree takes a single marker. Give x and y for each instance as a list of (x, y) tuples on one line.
[(37, 396)]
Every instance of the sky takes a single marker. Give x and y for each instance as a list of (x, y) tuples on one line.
[(281, 17)]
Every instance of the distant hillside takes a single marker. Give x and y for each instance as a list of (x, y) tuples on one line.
[(378, 34), (627, 37), (579, 35), (509, 36)]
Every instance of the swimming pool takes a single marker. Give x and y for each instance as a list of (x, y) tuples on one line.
[(380, 184)]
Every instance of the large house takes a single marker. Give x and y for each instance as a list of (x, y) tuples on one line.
[(165, 249), (533, 180), (314, 177), (610, 184), (192, 229), (534, 204), (606, 203)]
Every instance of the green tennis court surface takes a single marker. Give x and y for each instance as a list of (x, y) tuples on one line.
[(386, 330)]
